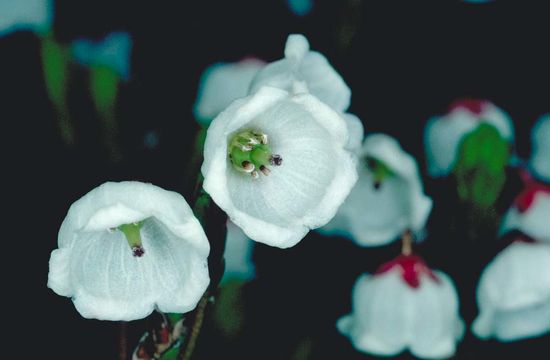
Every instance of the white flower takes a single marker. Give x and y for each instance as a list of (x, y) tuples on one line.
[(33, 15), (540, 157), (404, 306), (356, 132), (300, 7), (443, 134), (113, 52), (311, 67), (238, 255), (221, 84), (530, 213), (513, 294), (276, 163), (127, 248), (378, 211)]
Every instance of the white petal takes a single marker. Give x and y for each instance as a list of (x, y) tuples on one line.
[(540, 157), (238, 255), (356, 131), (389, 316), (373, 217), (33, 15), (514, 294), (113, 51), (309, 66), (94, 264), (221, 84), (533, 222), (306, 190), (300, 7), (443, 134)]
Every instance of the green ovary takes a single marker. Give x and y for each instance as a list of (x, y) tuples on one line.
[(132, 232), (480, 167), (249, 152)]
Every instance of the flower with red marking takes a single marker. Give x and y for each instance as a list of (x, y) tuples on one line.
[(404, 306)]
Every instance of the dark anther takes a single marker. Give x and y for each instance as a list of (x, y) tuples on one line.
[(276, 160), (138, 251), (377, 185)]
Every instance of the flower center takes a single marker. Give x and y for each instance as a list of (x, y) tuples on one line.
[(250, 153), (133, 236), (379, 171)]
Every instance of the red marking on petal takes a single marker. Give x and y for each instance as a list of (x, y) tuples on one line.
[(412, 267), (475, 106), (527, 197)]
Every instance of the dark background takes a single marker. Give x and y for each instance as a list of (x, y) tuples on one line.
[(404, 62)]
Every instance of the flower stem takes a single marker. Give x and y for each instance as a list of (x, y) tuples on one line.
[(187, 351), (406, 243), (122, 340)]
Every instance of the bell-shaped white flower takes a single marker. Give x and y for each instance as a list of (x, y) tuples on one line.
[(383, 204), (113, 52), (444, 134), (33, 15), (404, 306), (277, 164), (530, 212), (513, 294), (311, 67), (540, 156), (221, 84), (127, 248), (238, 255)]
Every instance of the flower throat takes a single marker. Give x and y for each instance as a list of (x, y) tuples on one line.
[(250, 153)]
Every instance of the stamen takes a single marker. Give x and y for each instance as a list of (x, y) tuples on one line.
[(255, 174), (247, 147), (264, 170), (247, 166), (275, 160)]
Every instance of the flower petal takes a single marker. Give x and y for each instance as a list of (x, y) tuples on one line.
[(533, 221), (540, 157), (34, 15), (221, 84), (312, 67)]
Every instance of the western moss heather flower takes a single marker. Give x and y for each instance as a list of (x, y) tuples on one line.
[(33, 15), (127, 248), (310, 67), (276, 162), (405, 305), (388, 198), (221, 84), (513, 294)]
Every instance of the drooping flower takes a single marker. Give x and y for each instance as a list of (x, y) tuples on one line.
[(301, 64), (388, 198), (238, 255), (33, 15), (473, 142), (112, 52), (530, 212), (405, 305), (127, 248), (221, 84), (540, 156), (513, 294), (277, 164)]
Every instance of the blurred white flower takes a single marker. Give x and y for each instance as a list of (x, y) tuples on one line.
[(238, 255), (300, 7), (127, 248), (33, 15), (444, 134), (113, 52), (277, 164), (513, 294), (221, 84), (530, 212), (540, 156), (311, 67), (356, 132), (404, 306), (388, 198)]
